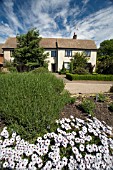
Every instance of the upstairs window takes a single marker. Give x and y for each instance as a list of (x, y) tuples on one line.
[(68, 53), (53, 53), (88, 53)]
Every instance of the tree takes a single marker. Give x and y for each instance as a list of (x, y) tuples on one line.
[(78, 63), (105, 57), (28, 53), (106, 48)]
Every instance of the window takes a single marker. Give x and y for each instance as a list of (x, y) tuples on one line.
[(67, 65), (53, 53), (88, 53), (68, 53), (11, 52)]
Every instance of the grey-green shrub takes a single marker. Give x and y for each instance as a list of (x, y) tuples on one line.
[(88, 106), (101, 97), (72, 100), (80, 71), (40, 70), (29, 103)]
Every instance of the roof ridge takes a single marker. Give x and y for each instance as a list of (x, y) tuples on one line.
[(58, 38), (66, 39), (51, 43)]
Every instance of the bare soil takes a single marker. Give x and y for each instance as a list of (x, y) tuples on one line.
[(101, 110)]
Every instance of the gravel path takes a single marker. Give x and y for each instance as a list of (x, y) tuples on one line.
[(90, 87), (86, 87)]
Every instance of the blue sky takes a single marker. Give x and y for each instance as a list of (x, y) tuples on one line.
[(90, 19)]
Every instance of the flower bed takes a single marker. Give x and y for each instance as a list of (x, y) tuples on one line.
[(76, 144)]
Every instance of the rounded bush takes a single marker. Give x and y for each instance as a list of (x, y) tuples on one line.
[(40, 70), (80, 70)]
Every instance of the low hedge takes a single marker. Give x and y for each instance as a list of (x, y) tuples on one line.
[(89, 77)]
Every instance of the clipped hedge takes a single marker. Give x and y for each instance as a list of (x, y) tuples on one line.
[(29, 103), (89, 77)]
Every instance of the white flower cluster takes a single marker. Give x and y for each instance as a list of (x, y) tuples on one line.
[(77, 144)]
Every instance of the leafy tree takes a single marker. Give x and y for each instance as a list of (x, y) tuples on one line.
[(28, 53), (106, 48), (105, 57), (78, 61)]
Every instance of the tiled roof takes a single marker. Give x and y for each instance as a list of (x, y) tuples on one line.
[(10, 43), (76, 43), (1, 48), (48, 42), (60, 42)]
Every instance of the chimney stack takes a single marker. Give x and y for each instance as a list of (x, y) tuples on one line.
[(74, 36)]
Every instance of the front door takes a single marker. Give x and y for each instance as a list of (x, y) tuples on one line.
[(53, 67)]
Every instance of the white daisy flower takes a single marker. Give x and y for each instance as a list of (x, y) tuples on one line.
[(82, 166), (89, 148), (71, 143), (31, 166), (88, 138), (72, 117), (12, 165), (13, 134), (5, 164), (98, 156), (64, 160), (81, 147), (75, 150), (78, 157), (77, 140)]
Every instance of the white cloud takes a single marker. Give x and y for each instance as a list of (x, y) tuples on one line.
[(97, 26), (5, 31), (46, 15), (10, 15), (85, 1)]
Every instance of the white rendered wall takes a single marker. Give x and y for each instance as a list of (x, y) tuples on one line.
[(92, 59), (7, 55), (62, 58), (59, 59), (50, 60)]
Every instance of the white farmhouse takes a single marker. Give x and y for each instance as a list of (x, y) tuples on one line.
[(60, 50)]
